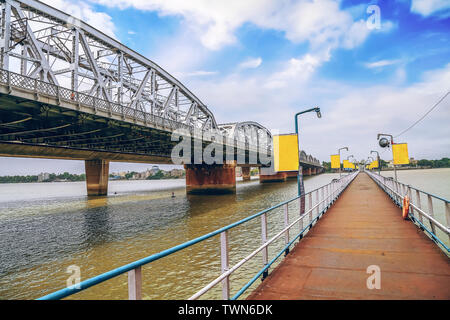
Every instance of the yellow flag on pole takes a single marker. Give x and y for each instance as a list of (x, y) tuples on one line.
[(335, 161), (285, 153), (400, 153)]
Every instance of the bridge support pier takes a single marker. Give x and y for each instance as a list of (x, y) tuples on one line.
[(275, 177), (307, 171), (97, 173), (291, 174), (245, 173), (210, 179)]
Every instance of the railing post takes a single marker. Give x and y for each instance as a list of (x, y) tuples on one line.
[(310, 206), (224, 264), (135, 284), (323, 198), (419, 205), (447, 215), (286, 223), (301, 199), (431, 212), (317, 201), (409, 193), (265, 253)]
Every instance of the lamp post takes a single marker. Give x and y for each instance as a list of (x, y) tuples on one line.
[(369, 161), (339, 153), (385, 143), (378, 159), (319, 115), (353, 159), (349, 157)]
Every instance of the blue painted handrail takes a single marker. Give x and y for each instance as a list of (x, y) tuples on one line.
[(60, 294)]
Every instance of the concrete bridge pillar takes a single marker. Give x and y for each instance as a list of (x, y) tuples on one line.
[(245, 173), (275, 177), (210, 179), (97, 174)]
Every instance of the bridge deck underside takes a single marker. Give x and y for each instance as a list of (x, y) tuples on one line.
[(32, 129), (361, 229)]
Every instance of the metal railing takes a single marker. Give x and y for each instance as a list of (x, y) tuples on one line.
[(324, 197), (423, 216)]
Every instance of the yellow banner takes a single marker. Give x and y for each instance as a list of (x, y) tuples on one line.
[(373, 164), (400, 153), (347, 164), (335, 161), (285, 152)]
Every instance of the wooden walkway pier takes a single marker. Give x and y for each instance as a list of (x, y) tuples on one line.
[(363, 228)]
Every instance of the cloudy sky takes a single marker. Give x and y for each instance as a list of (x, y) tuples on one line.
[(264, 60)]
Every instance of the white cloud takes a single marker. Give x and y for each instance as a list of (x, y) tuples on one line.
[(199, 73), (431, 7), (350, 115), (319, 22), (83, 11), (294, 71), (251, 63), (380, 63)]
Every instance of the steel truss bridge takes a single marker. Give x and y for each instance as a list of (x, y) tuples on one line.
[(69, 91)]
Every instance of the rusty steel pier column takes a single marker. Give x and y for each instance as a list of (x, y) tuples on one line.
[(97, 172), (271, 176), (210, 179), (245, 173)]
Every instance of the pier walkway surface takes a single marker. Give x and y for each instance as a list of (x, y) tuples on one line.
[(363, 228)]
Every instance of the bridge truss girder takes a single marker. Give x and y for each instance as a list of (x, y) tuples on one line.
[(42, 42)]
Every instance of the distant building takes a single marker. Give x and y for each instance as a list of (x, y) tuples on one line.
[(390, 164), (43, 176), (154, 170), (178, 173)]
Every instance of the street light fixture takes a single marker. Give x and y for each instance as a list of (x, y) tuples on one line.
[(350, 156), (339, 153), (385, 143), (319, 115)]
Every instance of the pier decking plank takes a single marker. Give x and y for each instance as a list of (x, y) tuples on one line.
[(362, 228)]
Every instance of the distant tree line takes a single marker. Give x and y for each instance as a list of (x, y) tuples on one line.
[(18, 179), (443, 163), (52, 177)]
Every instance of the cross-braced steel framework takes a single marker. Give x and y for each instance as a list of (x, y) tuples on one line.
[(43, 43)]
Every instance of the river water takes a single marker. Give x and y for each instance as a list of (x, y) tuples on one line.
[(47, 227)]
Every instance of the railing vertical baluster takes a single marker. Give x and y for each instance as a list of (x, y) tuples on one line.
[(286, 224), (323, 198), (265, 253), (224, 261), (431, 212), (135, 284), (419, 205), (300, 222), (447, 215), (317, 202), (411, 209), (310, 206)]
